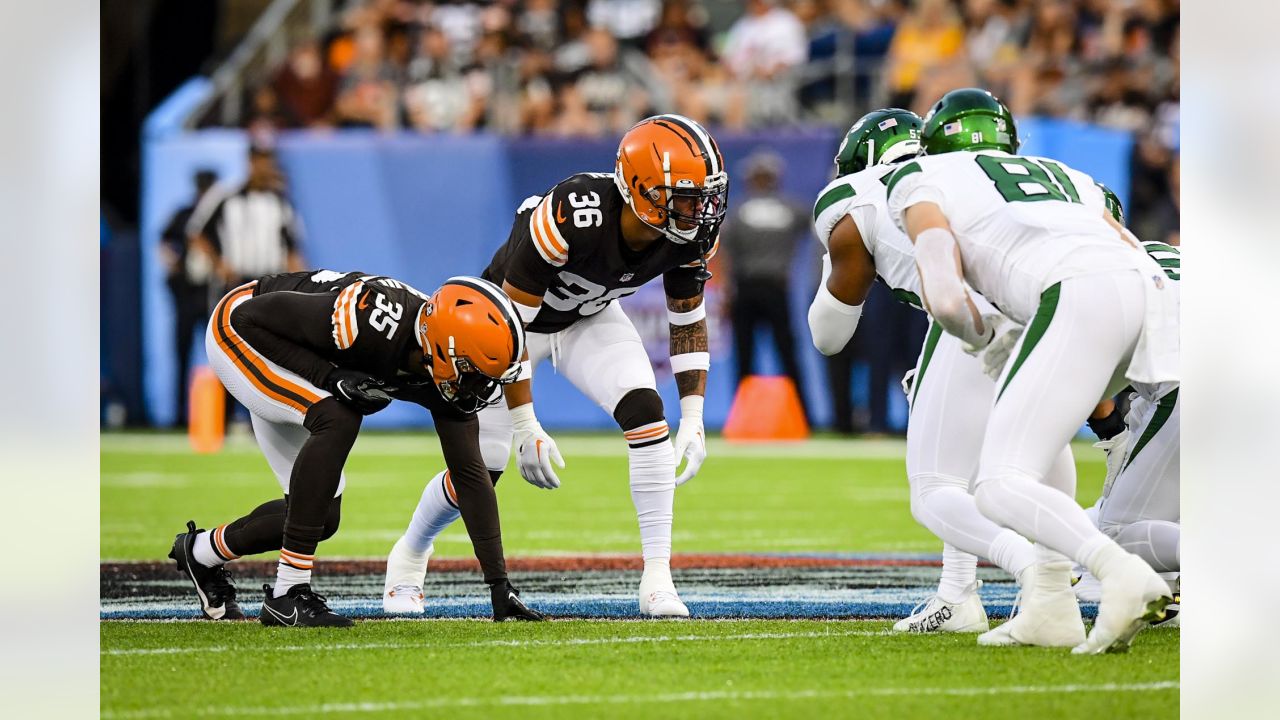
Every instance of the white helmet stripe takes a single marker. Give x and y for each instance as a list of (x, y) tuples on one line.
[(500, 299)]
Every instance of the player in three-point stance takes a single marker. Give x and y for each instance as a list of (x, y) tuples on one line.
[(310, 354), (572, 252), (1099, 313), (951, 391)]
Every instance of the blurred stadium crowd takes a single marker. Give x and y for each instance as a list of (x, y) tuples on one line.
[(594, 67)]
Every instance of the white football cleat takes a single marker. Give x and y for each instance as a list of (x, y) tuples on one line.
[(1133, 596), (658, 597), (1117, 450), (1049, 615), (939, 616), (402, 592)]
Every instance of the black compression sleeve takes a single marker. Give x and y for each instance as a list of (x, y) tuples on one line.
[(460, 441), (289, 328)]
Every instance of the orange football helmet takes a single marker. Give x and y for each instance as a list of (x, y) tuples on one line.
[(672, 175), (472, 341)]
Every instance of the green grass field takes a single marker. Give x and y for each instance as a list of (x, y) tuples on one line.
[(823, 496)]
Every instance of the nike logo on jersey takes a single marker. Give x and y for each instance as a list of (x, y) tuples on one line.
[(286, 619), (364, 301), (560, 218)]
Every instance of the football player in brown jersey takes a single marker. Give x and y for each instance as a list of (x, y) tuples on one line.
[(572, 252), (310, 354)]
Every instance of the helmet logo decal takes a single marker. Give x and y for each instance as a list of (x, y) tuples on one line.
[(888, 123), (952, 128)]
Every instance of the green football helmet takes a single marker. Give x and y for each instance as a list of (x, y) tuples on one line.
[(879, 137), (1113, 203), (969, 119)]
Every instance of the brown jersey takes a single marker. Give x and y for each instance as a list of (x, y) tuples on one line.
[(567, 248)]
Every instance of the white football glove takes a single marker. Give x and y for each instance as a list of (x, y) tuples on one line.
[(1004, 336), (535, 450), (691, 438)]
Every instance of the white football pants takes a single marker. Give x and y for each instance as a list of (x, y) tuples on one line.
[(1142, 511), (1074, 351)]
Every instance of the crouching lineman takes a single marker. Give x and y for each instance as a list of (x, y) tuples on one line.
[(310, 354), (1099, 313), (590, 240), (952, 390), (1139, 506)]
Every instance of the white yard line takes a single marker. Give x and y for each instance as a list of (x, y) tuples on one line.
[(684, 697), (503, 643)]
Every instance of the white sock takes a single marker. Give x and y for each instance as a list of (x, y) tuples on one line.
[(437, 509), (204, 550), (653, 487), (1156, 541), (1041, 514), (959, 574), (1012, 552), (292, 569)]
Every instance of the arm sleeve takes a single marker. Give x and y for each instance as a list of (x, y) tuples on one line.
[(289, 329), (682, 283), (477, 501)]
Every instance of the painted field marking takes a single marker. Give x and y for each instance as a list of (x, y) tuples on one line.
[(685, 697), (505, 643)]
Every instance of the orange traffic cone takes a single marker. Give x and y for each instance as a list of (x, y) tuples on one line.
[(766, 408), (206, 419)]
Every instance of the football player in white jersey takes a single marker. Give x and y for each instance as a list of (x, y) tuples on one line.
[(1139, 506), (1099, 314), (951, 394)]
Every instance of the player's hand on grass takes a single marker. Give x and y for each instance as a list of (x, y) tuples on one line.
[(691, 439), (535, 450), (361, 391)]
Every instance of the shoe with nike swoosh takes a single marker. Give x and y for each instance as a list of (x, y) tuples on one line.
[(508, 606), (300, 607)]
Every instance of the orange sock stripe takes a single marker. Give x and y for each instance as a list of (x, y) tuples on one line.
[(448, 488), (298, 560), (647, 434), (221, 543)]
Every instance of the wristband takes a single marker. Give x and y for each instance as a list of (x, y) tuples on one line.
[(688, 318), (691, 407), (685, 362), (522, 417)]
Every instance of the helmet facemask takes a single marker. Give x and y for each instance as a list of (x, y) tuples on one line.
[(700, 210)]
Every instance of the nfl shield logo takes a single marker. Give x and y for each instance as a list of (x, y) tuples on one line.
[(626, 276)]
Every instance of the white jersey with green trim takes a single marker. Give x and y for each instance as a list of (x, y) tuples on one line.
[(1022, 223), (861, 195)]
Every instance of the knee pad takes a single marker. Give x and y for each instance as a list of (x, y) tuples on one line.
[(924, 485), (332, 520), (495, 450), (642, 406), (332, 418)]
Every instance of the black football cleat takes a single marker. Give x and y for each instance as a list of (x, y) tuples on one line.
[(507, 604), (300, 607), (213, 584)]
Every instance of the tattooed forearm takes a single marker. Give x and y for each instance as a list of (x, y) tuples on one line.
[(689, 338), (692, 382)]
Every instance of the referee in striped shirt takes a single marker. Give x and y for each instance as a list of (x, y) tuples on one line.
[(253, 231)]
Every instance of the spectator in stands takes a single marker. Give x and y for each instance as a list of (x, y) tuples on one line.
[(306, 86), (759, 239), (539, 22), (991, 42), (762, 52), (678, 50), (441, 94), (188, 274), (629, 21), (929, 41), (606, 97), (367, 91)]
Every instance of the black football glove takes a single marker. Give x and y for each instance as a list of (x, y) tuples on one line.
[(507, 604), (360, 391)]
